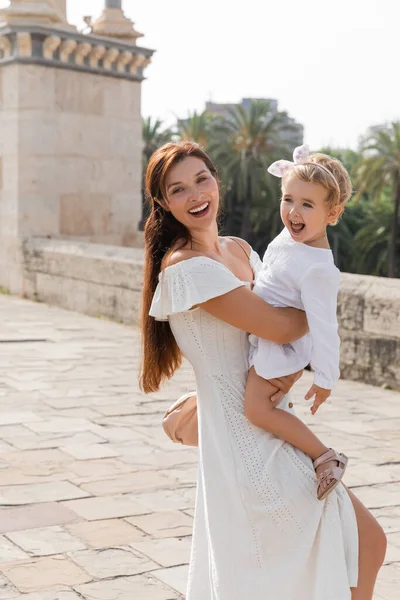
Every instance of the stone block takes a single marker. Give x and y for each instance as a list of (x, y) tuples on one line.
[(113, 562), (85, 214), (108, 507), (122, 99), (37, 134), (164, 524), (40, 492), (103, 534), (9, 552), (167, 552), (382, 308), (79, 92), (36, 174), (44, 220), (7, 591), (52, 595), (140, 587), (44, 574), (28, 87), (46, 541), (175, 577), (129, 482), (10, 87), (351, 301), (370, 358)]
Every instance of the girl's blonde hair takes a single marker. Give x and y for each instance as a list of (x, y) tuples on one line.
[(331, 174)]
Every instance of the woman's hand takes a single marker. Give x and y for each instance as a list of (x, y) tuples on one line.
[(284, 384)]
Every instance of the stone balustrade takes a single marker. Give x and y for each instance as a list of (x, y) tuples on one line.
[(65, 48), (106, 281)]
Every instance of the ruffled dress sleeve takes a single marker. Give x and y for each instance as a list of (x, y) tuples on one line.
[(188, 283)]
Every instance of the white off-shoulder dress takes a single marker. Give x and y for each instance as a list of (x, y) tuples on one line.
[(259, 531)]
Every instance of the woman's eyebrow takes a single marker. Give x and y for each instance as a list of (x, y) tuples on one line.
[(178, 182)]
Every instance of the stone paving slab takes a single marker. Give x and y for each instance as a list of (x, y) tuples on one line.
[(95, 502)]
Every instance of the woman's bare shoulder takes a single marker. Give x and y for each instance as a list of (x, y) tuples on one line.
[(234, 241), (177, 254)]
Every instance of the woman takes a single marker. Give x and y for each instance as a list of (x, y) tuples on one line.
[(259, 531)]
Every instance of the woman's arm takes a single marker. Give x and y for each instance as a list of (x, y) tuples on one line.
[(245, 310)]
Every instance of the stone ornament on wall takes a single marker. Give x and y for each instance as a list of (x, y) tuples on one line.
[(77, 51)]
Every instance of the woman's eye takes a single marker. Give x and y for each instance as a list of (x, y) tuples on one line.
[(307, 205), (176, 190), (286, 200), (201, 179)]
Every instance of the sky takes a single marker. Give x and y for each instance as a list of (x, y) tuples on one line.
[(333, 66)]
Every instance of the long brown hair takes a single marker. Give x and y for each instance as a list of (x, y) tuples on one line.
[(161, 355)]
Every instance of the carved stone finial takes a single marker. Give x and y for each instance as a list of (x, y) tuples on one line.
[(34, 12), (114, 23)]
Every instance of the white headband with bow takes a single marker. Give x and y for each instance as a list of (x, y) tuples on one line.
[(301, 155)]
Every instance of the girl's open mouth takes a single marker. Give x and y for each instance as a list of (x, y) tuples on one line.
[(296, 227)]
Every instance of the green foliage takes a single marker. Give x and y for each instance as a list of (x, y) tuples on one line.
[(196, 128), (243, 145), (245, 142), (378, 173)]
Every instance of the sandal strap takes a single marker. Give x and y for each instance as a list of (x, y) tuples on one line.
[(328, 456), (335, 473)]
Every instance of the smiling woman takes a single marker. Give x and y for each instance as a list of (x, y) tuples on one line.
[(196, 195)]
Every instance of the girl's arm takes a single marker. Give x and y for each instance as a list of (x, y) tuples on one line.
[(319, 290), (244, 310)]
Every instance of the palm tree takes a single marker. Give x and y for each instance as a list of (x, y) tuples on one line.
[(243, 145), (196, 128), (372, 241), (380, 170), (154, 135)]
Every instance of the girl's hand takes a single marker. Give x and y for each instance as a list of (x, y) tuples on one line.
[(284, 384), (321, 394)]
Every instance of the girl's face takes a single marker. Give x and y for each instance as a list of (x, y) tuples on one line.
[(304, 210), (192, 193)]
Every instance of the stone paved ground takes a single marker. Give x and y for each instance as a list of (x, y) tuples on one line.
[(96, 503)]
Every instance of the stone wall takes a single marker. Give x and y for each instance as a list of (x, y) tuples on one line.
[(369, 318), (94, 279), (106, 281)]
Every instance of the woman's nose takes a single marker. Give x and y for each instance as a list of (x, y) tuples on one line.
[(194, 194)]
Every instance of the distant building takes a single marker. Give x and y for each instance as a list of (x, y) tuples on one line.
[(294, 137)]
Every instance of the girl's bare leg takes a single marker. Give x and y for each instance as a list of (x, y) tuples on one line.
[(372, 550), (261, 411)]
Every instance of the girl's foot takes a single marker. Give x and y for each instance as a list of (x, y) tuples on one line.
[(330, 468)]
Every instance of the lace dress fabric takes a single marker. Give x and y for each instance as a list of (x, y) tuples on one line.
[(259, 531)]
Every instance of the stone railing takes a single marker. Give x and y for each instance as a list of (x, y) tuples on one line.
[(106, 281), (69, 49), (88, 278)]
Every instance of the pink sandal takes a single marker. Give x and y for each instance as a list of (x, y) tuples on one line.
[(334, 473)]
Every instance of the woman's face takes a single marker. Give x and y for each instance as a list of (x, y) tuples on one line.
[(192, 193)]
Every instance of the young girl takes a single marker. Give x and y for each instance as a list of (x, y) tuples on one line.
[(298, 271)]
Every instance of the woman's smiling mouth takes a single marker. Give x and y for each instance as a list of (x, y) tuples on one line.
[(200, 210)]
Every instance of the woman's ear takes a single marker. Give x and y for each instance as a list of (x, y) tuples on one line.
[(163, 204)]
